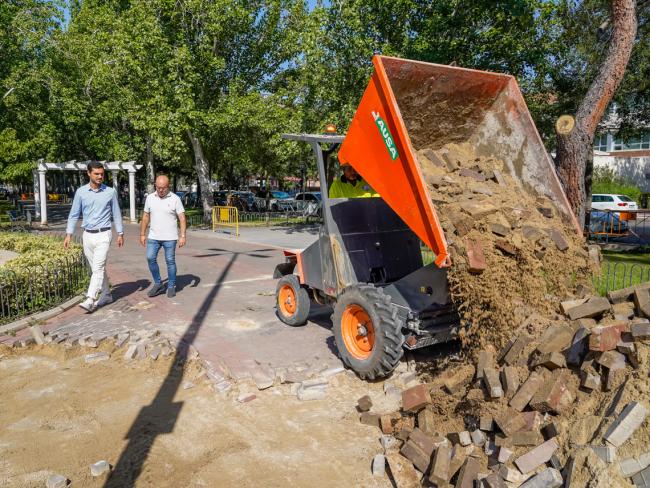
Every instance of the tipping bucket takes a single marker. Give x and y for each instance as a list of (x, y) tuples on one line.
[(412, 105)]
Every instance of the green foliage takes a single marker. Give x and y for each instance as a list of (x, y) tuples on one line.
[(43, 274), (605, 181)]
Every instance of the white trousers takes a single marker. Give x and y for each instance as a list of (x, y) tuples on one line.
[(96, 250)]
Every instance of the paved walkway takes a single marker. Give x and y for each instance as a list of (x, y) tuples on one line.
[(225, 294)]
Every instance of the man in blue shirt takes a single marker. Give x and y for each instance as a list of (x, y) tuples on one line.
[(98, 205)]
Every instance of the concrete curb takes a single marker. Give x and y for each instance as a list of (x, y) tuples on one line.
[(45, 315)]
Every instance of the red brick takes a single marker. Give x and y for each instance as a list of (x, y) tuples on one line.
[(533, 420), (415, 398), (553, 396), (558, 239), (505, 247), (604, 338), (526, 391), (537, 456), (475, 256)]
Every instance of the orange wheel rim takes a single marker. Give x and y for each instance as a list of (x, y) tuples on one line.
[(287, 300), (358, 332)]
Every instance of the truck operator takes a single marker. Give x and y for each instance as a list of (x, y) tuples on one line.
[(351, 185)]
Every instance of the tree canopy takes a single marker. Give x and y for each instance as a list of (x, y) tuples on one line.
[(208, 86)]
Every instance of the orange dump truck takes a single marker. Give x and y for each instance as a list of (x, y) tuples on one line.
[(367, 261)]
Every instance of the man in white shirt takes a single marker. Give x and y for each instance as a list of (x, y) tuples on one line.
[(162, 208)]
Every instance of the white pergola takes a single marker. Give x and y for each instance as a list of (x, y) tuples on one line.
[(40, 185)]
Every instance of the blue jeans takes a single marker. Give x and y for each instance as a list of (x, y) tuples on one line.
[(170, 258)]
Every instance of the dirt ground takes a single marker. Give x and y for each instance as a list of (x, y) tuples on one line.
[(60, 415)]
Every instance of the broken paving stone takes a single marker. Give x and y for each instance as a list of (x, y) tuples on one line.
[(368, 418), (550, 360), (478, 209), (475, 256), (510, 380), (504, 454), (155, 352), (439, 475), (579, 347), (555, 338), (187, 385), (415, 398), (642, 479), (594, 307), (642, 301), (386, 424), (263, 380), (56, 481), (246, 397), (559, 240), (100, 468), (505, 246), (427, 421), (536, 456), (631, 466), (612, 360), (130, 352), (485, 360), (500, 230), (492, 383), (420, 459), (590, 381), (140, 351), (526, 391), (470, 173), (549, 431), (37, 334), (566, 305), (378, 465), (96, 357), (486, 423), (606, 453), (626, 424), (604, 338), (549, 478), (533, 421), (364, 403), (553, 396), (516, 349), (309, 394), (402, 471), (510, 421), (640, 330), (478, 438), (525, 438), (468, 473), (494, 481), (121, 340), (546, 212)]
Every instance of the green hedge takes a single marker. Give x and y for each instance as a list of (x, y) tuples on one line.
[(43, 275)]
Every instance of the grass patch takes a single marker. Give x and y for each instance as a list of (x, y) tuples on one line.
[(623, 269)]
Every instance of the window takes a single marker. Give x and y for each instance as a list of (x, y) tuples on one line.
[(607, 198), (639, 142), (624, 198), (600, 142), (596, 198)]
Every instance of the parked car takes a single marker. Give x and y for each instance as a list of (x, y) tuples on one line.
[(619, 203), (309, 201), (278, 201), (607, 222), (243, 200)]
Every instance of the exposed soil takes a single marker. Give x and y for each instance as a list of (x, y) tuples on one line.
[(60, 415), (527, 272)]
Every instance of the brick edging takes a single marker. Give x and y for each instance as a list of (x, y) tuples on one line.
[(45, 315)]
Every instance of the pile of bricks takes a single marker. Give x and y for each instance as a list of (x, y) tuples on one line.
[(527, 387)]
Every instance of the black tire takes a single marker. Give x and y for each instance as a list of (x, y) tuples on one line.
[(302, 305), (388, 337)]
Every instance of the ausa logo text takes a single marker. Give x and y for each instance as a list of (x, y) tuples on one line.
[(385, 134)]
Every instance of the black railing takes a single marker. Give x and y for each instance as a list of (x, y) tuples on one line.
[(35, 288)]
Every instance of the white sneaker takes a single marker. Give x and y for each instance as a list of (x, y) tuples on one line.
[(88, 304), (104, 300)]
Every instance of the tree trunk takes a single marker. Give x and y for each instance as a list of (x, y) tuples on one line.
[(203, 173), (149, 169), (574, 159)]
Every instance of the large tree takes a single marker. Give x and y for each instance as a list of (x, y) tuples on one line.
[(574, 158)]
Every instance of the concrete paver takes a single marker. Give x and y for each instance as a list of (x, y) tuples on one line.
[(226, 298)]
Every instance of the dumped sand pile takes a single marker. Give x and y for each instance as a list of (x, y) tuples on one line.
[(531, 256)]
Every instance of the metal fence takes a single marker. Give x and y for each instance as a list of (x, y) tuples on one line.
[(37, 288), (615, 276)]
